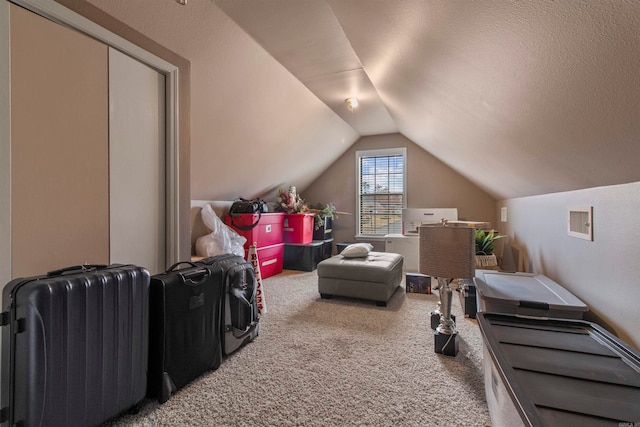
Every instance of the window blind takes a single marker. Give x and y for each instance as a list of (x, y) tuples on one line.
[(381, 197)]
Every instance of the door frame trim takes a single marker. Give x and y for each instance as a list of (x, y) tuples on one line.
[(5, 144)]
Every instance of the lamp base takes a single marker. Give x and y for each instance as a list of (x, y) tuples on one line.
[(435, 319), (446, 344)]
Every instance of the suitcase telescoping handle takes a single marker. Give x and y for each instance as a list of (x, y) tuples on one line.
[(174, 266), (76, 269), (196, 277)]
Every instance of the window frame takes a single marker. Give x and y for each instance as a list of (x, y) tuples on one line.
[(383, 152)]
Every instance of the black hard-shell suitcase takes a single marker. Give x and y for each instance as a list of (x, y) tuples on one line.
[(240, 312), (74, 345), (184, 331)]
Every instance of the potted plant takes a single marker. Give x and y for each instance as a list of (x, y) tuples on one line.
[(485, 247)]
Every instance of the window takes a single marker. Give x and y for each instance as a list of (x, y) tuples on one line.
[(381, 191)]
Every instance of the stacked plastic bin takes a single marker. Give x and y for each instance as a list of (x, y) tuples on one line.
[(304, 248), (267, 235), (325, 234)]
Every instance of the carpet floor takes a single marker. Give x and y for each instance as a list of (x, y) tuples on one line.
[(338, 362)]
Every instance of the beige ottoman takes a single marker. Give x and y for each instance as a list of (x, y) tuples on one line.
[(374, 277)]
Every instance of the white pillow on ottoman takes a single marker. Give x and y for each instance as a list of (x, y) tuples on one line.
[(357, 250)]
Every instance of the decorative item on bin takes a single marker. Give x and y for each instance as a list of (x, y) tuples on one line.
[(291, 202)]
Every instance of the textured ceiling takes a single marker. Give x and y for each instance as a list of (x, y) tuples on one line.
[(306, 37), (522, 97)]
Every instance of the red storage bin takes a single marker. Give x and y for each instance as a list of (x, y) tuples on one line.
[(298, 228), (270, 259), (268, 231)]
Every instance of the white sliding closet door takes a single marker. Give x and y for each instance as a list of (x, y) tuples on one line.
[(136, 163)]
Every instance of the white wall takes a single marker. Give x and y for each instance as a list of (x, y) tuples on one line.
[(605, 272)]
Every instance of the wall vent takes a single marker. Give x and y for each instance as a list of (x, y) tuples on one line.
[(580, 222)]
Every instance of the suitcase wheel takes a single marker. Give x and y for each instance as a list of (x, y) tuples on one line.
[(136, 408)]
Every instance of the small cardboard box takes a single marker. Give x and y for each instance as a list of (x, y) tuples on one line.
[(418, 283)]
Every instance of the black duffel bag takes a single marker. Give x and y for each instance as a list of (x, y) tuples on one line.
[(244, 206)]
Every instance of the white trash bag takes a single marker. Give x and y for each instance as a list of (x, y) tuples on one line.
[(221, 240)]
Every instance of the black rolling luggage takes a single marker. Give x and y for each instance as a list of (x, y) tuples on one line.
[(74, 345), (184, 334), (240, 312)]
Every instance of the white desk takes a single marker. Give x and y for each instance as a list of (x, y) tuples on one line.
[(406, 245)]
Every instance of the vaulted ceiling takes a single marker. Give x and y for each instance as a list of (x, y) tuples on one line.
[(521, 97)]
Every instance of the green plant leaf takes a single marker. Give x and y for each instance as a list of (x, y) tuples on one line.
[(485, 242)]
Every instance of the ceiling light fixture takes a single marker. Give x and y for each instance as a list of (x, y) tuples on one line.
[(182, 2), (352, 103)]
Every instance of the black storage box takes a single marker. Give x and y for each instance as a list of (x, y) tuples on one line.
[(557, 372), (304, 257), (325, 232), (327, 248), (467, 293)]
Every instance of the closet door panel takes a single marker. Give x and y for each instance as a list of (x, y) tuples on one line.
[(137, 163), (59, 146)]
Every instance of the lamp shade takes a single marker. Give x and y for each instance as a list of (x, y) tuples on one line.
[(447, 251)]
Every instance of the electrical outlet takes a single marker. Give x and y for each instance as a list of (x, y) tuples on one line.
[(503, 214)]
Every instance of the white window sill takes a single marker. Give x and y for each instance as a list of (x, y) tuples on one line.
[(376, 237)]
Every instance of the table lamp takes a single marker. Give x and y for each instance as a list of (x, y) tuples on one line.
[(447, 253)]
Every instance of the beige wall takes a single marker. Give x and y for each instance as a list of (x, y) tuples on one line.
[(59, 140), (605, 272), (431, 184)]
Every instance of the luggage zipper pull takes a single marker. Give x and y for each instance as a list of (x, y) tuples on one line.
[(4, 318), (19, 326)]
